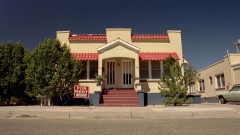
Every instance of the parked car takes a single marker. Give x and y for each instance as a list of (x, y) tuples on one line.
[(233, 95)]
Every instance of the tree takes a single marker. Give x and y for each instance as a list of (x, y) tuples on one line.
[(12, 68), (172, 86), (51, 71), (190, 75)]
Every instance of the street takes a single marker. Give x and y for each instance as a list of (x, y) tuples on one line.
[(119, 126)]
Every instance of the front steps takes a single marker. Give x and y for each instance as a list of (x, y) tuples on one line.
[(119, 97)]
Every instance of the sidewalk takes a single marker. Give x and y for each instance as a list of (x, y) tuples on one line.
[(150, 112)]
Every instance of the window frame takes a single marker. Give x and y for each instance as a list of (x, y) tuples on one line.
[(149, 71), (95, 69), (152, 69), (220, 81), (201, 85), (88, 70), (210, 80), (144, 69)]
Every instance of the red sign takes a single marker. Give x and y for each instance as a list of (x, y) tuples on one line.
[(81, 91)]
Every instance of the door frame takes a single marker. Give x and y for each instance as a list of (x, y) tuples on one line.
[(131, 70), (106, 69)]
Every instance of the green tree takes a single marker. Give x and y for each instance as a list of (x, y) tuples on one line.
[(172, 86), (12, 68), (51, 71), (190, 75)]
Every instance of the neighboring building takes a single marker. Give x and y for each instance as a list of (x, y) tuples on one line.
[(218, 77), (125, 60)]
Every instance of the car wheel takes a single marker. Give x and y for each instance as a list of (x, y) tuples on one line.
[(222, 100)]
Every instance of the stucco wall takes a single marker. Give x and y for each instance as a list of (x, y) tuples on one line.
[(150, 86), (234, 58), (174, 44), (221, 67), (115, 33), (237, 75), (91, 84), (83, 47), (62, 36)]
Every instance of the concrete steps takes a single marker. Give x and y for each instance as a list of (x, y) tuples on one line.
[(123, 97)]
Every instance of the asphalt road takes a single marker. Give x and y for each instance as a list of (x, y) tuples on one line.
[(36, 126)]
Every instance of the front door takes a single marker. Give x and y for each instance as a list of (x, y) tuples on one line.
[(111, 67), (127, 74)]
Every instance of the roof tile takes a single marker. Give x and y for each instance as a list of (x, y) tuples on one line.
[(142, 56), (157, 55), (133, 36), (85, 56)]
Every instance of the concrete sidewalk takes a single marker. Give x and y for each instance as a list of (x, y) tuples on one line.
[(151, 112)]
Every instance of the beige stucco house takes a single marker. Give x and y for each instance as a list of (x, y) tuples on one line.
[(220, 76), (125, 60)]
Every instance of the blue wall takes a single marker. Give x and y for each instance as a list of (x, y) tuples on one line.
[(156, 99)]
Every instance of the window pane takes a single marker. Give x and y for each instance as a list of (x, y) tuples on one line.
[(223, 80), (220, 81), (143, 69), (156, 72), (201, 85), (83, 74), (210, 80), (192, 88), (93, 69)]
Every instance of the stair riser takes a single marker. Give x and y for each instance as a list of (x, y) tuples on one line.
[(120, 98)]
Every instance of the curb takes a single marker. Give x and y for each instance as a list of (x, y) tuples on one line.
[(146, 115)]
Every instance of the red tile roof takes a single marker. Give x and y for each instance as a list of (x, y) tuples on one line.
[(88, 37), (142, 56), (150, 36), (134, 37), (85, 56), (157, 55)]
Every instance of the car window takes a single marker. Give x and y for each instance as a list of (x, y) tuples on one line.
[(237, 88)]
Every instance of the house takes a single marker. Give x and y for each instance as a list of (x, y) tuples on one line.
[(218, 77), (128, 62)]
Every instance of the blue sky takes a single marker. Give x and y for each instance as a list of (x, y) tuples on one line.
[(209, 27)]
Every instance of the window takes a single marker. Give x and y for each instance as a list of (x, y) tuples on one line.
[(93, 69), (220, 81), (143, 69), (201, 85), (236, 88), (89, 69), (210, 80), (192, 88), (83, 74), (156, 69)]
